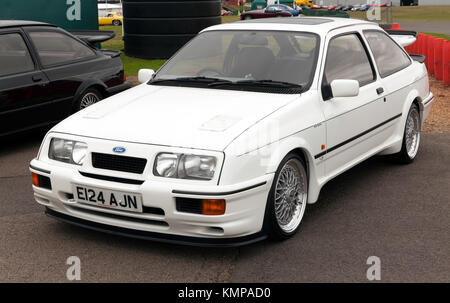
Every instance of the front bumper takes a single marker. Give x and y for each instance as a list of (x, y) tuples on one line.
[(241, 224), (159, 237)]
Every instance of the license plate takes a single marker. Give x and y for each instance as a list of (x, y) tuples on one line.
[(108, 198)]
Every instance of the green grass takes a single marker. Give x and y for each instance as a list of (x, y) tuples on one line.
[(131, 65), (227, 19)]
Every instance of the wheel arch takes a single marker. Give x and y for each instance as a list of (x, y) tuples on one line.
[(300, 147), (302, 153), (418, 102), (91, 83), (412, 98)]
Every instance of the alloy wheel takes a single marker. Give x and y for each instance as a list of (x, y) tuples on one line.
[(412, 133), (88, 100), (290, 195)]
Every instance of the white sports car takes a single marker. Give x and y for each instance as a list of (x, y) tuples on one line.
[(230, 140)]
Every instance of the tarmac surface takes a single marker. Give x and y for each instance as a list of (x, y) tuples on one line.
[(440, 27), (399, 213)]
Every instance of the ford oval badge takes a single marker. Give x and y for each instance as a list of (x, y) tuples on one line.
[(119, 149)]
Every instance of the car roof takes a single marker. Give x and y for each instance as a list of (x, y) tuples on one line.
[(18, 23), (319, 25)]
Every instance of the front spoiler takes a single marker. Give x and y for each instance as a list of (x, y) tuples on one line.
[(159, 237)]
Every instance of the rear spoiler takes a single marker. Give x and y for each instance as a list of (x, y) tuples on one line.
[(418, 58), (93, 36), (404, 38)]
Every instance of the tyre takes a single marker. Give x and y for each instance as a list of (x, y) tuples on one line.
[(287, 199), (116, 22), (154, 46), (87, 98), (411, 136), (160, 9), (168, 26), (248, 17)]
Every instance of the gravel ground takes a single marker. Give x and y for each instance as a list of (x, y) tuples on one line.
[(439, 119)]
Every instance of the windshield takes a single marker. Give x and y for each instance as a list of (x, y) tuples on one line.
[(243, 56)]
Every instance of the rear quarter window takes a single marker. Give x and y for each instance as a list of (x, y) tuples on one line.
[(57, 48), (389, 57)]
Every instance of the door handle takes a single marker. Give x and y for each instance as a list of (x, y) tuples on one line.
[(380, 90), (36, 78)]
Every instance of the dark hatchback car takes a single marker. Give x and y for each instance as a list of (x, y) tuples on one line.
[(46, 74)]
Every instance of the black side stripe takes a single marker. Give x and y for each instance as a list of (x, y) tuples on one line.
[(219, 193), (329, 150)]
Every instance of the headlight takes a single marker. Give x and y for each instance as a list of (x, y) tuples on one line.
[(185, 166), (67, 151)]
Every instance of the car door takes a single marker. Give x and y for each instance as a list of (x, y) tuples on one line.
[(21, 84), (354, 124), (66, 61)]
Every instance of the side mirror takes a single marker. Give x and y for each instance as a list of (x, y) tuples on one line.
[(145, 75), (344, 88)]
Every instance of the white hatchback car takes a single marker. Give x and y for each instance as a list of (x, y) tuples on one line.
[(236, 133)]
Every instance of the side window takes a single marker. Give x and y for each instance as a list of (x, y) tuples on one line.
[(390, 58), (55, 48), (14, 55), (346, 59)]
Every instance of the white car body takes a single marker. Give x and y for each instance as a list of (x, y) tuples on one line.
[(249, 133)]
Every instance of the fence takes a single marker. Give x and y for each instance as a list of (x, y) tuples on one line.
[(437, 53)]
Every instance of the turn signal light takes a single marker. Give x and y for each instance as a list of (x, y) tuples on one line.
[(35, 179), (213, 207)]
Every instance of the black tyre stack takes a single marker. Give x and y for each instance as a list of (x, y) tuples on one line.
[(156, 29)]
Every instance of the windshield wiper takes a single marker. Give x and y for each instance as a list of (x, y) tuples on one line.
[(267, 83), (272, 83), (217, 82), (201, 79)]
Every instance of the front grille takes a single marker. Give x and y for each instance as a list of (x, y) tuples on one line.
[(112, 179), (119, 163), (187, 205)]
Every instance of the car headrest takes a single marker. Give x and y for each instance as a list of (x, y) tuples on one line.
[(253, 39)]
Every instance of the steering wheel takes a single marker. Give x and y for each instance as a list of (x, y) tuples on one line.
[(208, 70)]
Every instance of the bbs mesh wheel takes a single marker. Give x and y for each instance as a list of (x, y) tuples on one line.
[(287, 199)]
